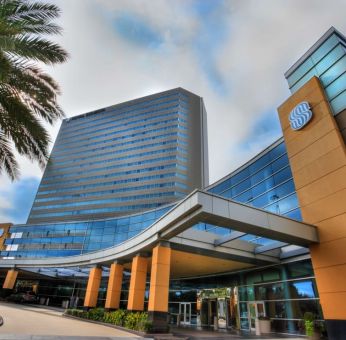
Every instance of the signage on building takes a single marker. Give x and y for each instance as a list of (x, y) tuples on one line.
[(300, 116)]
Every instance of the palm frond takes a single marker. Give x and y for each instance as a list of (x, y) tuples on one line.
[(8, 161), (38, 49), (27, 95)]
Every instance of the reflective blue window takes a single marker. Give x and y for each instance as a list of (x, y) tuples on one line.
[(241, 187), (339, 103), (268, 185), (328, 63)]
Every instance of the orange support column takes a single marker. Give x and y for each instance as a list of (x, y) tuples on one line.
[(317, 156), (93, 286), (114, 286), (10, 279), (4, 227), (159, 288), (137, 283)]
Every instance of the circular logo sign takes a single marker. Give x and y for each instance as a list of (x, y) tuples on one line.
[(300, 116)]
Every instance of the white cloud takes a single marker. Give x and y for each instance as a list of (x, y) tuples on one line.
[(263, 38)]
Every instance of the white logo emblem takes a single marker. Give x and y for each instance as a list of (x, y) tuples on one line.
[(300, 116)]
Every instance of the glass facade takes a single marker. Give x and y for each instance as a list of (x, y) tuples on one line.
[(75, 238), (264, 182), (287, 291), (131, 163), (327, 61), (123, 159)]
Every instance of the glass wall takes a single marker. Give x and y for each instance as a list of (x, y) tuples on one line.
[(265, 182), (287, 291), (328, 62), (123, 159), (74, 238)]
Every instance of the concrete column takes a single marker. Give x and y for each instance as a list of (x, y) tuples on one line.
[(93, 286), (137, 283), (5, 227), (10, 279), (317, 156), (114, 286), (159, 288)]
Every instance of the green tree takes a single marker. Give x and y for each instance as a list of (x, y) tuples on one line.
[(28, 96)]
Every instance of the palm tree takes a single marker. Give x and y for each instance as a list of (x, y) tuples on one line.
[(27, 94)]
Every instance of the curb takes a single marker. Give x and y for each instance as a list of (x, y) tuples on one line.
[(139, 333)]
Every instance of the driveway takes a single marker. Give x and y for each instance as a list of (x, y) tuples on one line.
[(30, 322)]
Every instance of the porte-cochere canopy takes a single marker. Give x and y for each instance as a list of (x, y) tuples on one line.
[(202, 224)]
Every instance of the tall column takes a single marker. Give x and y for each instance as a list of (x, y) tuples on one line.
[(159, 288), (317, 155), (114, 286), (10, 279), (93, 286), (137, 283), (5, 227)]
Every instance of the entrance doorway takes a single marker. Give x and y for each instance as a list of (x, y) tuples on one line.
[(185, 313), (255, 310), (208, 312), (218, 308)]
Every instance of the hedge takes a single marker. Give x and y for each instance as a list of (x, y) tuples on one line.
[(137, 321)]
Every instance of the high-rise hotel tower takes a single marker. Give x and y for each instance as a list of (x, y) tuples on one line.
[(125, 158)]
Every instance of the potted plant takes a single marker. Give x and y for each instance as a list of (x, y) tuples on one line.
[(264, 324), (310, 329)]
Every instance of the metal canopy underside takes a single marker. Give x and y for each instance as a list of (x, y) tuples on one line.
[(254, 235)]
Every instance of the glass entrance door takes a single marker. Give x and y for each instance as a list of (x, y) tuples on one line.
[(185, 313), (255, 309), (222, 313)]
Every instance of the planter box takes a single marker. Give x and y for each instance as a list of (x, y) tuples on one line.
[(315, 336), (139, 333), (264, 326)]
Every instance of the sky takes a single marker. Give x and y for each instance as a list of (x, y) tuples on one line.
[(233, 53)]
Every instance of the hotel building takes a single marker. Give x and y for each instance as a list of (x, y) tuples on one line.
[(266, 240)]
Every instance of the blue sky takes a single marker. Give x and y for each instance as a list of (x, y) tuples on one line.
[(232, 53)]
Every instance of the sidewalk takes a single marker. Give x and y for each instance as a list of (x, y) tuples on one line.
[(196, 334)]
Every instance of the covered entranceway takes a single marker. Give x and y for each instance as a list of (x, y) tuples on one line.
[(203, 234)]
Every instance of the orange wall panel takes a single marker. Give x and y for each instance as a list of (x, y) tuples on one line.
[(333, 305), (317, 156), (320, 167)]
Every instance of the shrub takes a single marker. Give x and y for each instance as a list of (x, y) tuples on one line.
[(131, 320), (116, 318), (138, 321), (309, 323), (309, 328), (96, 314)]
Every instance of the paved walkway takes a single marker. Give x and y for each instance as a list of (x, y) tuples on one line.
[(25, 322), (28, 322), (195, 334)]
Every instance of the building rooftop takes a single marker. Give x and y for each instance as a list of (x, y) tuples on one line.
[(313, 48)]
